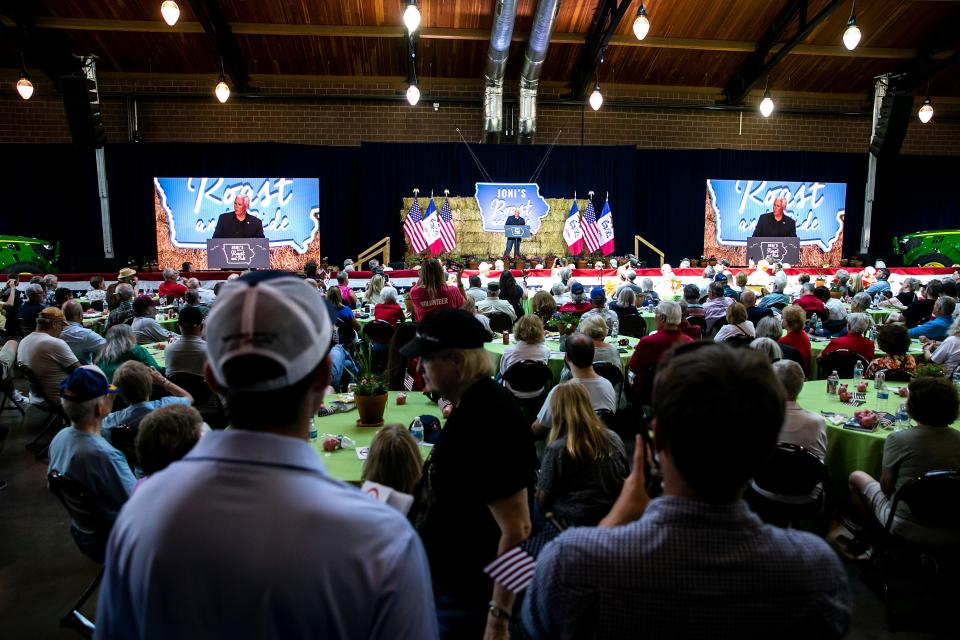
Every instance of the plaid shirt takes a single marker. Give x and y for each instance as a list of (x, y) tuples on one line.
[(688, 569)]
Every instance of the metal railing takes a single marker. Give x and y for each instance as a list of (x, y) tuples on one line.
[(636, 247), (379, 248)]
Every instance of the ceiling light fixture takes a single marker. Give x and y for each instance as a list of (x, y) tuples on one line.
[(24, 86), (851, 37), (766, 105), (170, 11), (926, 111), (411, 16), (222, 90), (641, 26), (413, 93)]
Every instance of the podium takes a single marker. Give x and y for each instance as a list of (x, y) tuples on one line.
[(238, 253), (516, 231), (779, 249)]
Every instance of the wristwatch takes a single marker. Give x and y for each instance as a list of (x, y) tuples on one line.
[(497, 612)]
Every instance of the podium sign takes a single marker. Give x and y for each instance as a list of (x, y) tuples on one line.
[(516, 231), (238, 253), (776, 249)]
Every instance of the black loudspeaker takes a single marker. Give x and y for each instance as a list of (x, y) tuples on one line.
[(81, 102), (888, 135)]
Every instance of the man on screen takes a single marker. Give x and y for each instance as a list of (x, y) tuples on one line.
[(238, 223), (515, 219), (776, 224)]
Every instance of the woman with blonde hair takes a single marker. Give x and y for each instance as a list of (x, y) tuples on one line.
[(856, 283), (470, 306), (543, 305), (528, 333), (374, 289), (737, 324), (393, 459), (585, 463), (432, 293), (794, 320)]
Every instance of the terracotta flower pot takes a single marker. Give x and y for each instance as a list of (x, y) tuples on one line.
[(581, 264), (371, 409), (473, 265)]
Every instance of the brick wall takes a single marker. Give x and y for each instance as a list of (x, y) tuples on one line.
[(328, 111)]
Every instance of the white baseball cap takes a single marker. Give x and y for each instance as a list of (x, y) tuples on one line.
[(272, 315)]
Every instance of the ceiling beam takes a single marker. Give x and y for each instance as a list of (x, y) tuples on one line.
[(443, 33), (214, 23), (606, 19), (759, 63)]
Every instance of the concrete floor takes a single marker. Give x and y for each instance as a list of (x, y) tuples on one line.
[(42, 573)]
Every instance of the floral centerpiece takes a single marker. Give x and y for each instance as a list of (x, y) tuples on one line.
[(370, 392), (929, 370), (563, 323)]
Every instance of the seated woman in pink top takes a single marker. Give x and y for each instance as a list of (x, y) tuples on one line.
[(431, 293)]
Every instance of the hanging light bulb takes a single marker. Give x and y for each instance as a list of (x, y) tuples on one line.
[(411, 16), (413, 94), (766, 105), (851, 37), (222, 89), (170, 12), (641, 26), (25, 87), (926, 111), (596, 98)]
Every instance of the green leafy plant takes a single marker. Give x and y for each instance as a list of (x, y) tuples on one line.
[(929, 370), (563, 323), (369, 383)]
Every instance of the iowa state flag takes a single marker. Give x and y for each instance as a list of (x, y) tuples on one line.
[(604, 228), (572, 232), (431, 229)]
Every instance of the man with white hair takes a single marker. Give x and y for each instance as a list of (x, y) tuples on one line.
[(239, 223), (652, 348), (650, 296), (206, 295), (777, 296), (170, 288), (80, 452), (327, 560)]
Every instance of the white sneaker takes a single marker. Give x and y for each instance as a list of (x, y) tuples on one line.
[(18, 397)]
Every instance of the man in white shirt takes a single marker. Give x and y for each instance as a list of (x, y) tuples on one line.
[(493, 304), (47, 356), (85, 343), (476, 291), (206, 295), (579, 359), (145, 326)]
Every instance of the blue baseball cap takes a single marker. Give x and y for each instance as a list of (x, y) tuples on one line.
[(597, 293), (86, 383), (720, 278), (431, 428), (576, 288)]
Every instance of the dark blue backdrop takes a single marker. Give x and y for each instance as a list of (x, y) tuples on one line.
[(656, 193)]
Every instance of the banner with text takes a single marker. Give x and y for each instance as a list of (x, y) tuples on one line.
[(498, 201), (188, 209)]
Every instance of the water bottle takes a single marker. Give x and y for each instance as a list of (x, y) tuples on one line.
[(313, 430), (883, 394), (903, 419), (880, 380), (814, 321), (416, 430), (858, 371), (833, 381)]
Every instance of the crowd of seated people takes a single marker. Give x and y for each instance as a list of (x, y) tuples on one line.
[(472, 497)]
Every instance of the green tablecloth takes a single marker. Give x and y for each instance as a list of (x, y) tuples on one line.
[(849, 450), (879, 315), (97, 323), (157, 352), (817, 347), (495, 349), (344, 464)]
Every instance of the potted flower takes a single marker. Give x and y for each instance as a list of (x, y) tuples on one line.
[(370, 393), (564, 324), (472, 263)]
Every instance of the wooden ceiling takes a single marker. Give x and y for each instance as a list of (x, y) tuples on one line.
[(692, 43)]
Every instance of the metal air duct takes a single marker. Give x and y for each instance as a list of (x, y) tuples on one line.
[(543, 22), (501, 33)]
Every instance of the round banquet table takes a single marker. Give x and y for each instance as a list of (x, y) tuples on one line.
[(817, 345), (343, 464), (849, 450), (97, 323), (495, 349), (156, 350)]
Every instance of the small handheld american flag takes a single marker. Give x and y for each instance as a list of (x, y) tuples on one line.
[(514, 569), (408, 381)]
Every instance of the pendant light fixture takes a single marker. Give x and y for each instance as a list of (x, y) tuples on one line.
[(766, 105), (222, 90), (926, 111), (641, 26), (411, 16), (170, 11), (24, 86), (851, 37)]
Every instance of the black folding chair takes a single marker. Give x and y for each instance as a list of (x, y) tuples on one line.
[(55, 416), (896, 375), (529, 376), (794, 473), (87, 525), (842, 361), (378, 332), (739, 341), (633, 326), (123, 437), (611, 372), (926, 572), (715, 328), (499, 322), (699, 321)]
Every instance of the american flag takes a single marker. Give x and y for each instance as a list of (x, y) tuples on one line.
[(590, 233), (411, 227), (408, 381), (448, 235), (514, 569)]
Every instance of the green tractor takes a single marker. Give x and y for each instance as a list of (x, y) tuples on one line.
[(28, 255), (929, 248)]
